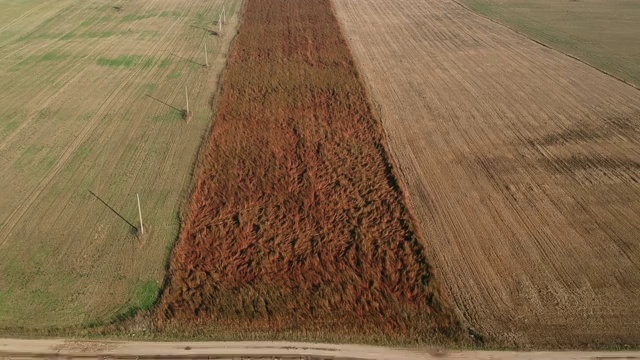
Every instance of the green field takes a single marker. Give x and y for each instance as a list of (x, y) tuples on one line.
[(91, 115), (603, 33)]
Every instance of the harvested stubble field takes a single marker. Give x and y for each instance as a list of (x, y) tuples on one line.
[(603, 33), (75, 118), (297, 223), (523, 166)]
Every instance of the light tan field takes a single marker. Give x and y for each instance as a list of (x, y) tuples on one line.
[(603, 33), (523, 167), (90, 115)]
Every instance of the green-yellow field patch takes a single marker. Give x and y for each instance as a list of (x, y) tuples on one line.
[(79, 139), (604, 34), (127, 61), (37, 59)]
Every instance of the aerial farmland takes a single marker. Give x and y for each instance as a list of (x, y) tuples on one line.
[(415, 172), (92, 101)]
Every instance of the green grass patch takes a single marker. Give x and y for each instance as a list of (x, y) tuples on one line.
[(52, 56), (164, 63), (174, 75), (39, 36), (50, 161), (10, 126), (148, 88), (169, 116), (145, 295), (32, 150), (89, 35), (136, 17), (95, 21), (79, 156), (43, 298), (173, 14), (4, 303), (148, 63), (101, 34), (143, 298), (126, 61)]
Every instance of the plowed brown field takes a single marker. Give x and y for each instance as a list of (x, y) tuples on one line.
[(297, 222), (523, 166)]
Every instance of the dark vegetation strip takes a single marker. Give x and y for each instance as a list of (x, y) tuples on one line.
[(297, 222)]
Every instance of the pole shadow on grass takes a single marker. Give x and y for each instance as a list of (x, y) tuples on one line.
[(211, 32), (189, 60), (164, 103), (133, 227)]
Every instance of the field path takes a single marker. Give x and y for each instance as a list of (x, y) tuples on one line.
[(34, 349), (523, 167)]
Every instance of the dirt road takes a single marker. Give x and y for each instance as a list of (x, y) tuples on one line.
[(523, 166), (31, 349)]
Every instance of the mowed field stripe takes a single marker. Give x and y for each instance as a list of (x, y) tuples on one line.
[(90, 75), (29, 12), (17, 214), (298, 222), (523, 166)]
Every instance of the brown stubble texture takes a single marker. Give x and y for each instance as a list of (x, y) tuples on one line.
[(297, 222), (523, 166)]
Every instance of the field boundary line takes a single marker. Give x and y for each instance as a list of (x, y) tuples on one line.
[(400, 176), (546, 45), (199, 157)]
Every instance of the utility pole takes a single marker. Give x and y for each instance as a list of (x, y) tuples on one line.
[(186, 95), (140, 215), (206, 58)]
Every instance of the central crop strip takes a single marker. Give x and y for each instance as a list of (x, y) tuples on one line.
[(297, 222)]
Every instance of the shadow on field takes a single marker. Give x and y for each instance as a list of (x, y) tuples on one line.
[(189, 60), (211, 32), (164, 103), (133, 227)]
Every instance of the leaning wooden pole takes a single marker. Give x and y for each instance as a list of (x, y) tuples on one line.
[(206, 57), (140, 215), (186, 95)]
